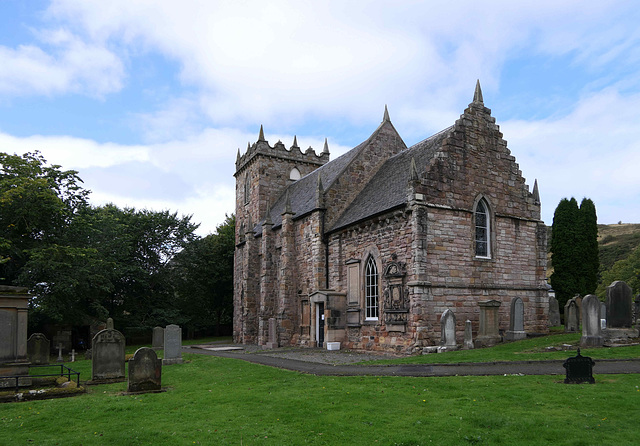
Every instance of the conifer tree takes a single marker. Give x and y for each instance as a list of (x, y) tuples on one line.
[(589, 260), (564, 237)]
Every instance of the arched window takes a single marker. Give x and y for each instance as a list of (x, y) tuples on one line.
[(371, 295), (294, 174), (247, 188), (483, 229)]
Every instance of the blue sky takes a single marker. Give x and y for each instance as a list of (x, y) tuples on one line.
[(150, 100)]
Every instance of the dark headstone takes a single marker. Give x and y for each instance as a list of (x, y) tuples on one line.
[(571, 316), (591, 333), (108, 355), (554, 312), (145, 371), (619, 305), (38, 348), (157, 340), (579, 370)]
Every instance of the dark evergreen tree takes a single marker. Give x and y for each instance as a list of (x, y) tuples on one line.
[(564, 250), (588, 244)]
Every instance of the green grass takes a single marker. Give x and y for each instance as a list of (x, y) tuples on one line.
[(219, 401), (534, 349)]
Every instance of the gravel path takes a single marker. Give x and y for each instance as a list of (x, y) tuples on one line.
[(323, 362)]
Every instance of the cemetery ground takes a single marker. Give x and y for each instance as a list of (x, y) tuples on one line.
[(215, 400)]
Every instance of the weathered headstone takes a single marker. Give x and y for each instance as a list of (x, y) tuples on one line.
[(554, 312), (110, 323), (448, 330), (619, 305), (468, 336), (273, 341), (489, 332), (172, 345), (603, 311), (145, 371), (107, 355), (38, 349), (60, 358), (516, 321), (157, 340), (62, 338), (591, 334), (579, 369), (571, 316)]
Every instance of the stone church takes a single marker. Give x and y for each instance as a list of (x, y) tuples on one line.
[(370, 249)]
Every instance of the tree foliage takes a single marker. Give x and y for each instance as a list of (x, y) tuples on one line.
[(627, 270), (574, 249)]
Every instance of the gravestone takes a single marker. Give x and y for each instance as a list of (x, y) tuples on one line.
[(172, 345), (516, 321), (38, 349), (14, 304), (571, 316), (591, 333), (157, 340), (489, 332), (110, 323), (448, 330), (619, 314), (468, 336), (145, 371), (579, 370), (62, 338), (273, 341), (554, 312), (619, 306), (107, 355)]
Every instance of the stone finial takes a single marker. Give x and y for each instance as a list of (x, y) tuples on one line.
[(295, 141), (536, 193), (326, 146), (287, 203), (385, 117), (414, 171), (477, 95), (267, 218), (261, 135), (319, 193), (238, 156)]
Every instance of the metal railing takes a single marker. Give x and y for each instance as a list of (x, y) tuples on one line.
[(68, 373)]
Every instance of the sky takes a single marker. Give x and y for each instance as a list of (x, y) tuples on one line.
[(150, 100)]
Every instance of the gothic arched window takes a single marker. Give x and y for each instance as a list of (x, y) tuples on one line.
[(483, 229), (294, 174), (247, 188), (371, 293)]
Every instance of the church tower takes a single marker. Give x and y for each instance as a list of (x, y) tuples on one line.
[(262, 174)]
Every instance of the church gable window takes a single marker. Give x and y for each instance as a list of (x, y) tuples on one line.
[(482, 230), (295, 175), (371, 292), (247, 188)]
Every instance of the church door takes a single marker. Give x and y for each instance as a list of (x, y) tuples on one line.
[(320, 324)]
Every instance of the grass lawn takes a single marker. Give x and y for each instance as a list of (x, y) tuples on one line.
[(218, 401)]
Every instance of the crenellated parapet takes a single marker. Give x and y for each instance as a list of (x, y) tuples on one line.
[(293, 154)]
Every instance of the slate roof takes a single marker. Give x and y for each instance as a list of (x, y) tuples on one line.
[(388, 187), (386, 190)]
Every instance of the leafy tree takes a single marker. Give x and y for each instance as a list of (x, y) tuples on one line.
[(627, 270), (37, 202), (203, 274)]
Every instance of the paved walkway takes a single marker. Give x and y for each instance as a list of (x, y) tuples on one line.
[(321, 362)]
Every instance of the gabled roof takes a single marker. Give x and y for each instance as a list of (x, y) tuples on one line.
[(388, 187)]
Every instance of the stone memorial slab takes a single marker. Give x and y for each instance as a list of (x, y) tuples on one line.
[(554, 312), (273, 341), (489, 332), (38, 349), (571, 316), (157, 340), (145, 371), (468, 336), (62, 338), (516, 321), (110, 323), (107, 355), (14, 304), (591, 333), (448, 330), (619, 305), (172, 345), (579, 369)]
